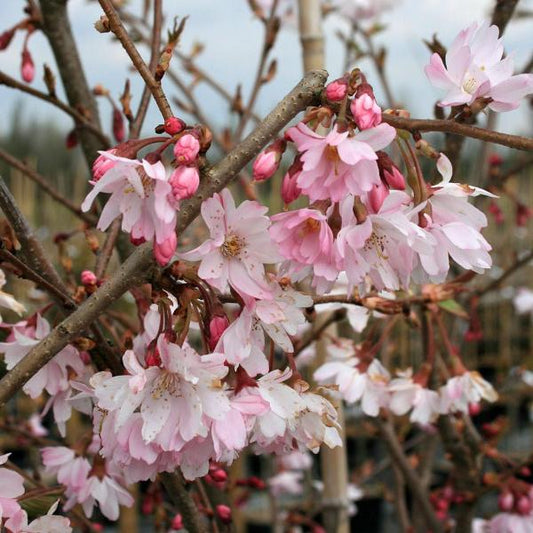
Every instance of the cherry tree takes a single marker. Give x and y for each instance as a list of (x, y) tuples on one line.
[(249, 329)]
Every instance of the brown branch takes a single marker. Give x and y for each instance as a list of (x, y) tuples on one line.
[(136, 125), (81, 120), (511, 270), (503, 11), (56, 26), (270, 34), (314, 334), (116, 26), (42, 182), (140, 266), (411, 477), (105, 253), (177, 491), (449, 126)]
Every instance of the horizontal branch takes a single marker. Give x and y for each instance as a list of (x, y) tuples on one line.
[(42, 182), (465, 130), (80, 119), (139, 267)]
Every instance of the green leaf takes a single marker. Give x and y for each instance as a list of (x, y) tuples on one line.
[(451, 306)]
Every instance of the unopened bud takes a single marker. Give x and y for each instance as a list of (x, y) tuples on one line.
[(164, 251), (267, 162), (365, 110), (337, 90), (27, 68), (88, 277), (224, 513), (102, 25), (118, 125), (173, 125), (186, 149), (184, 182)]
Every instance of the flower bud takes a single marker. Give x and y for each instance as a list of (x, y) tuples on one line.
[(523, 505), (118, 125), (5, 38), (224, 513), (505, 501), (394, 178), (365, 110), (164, 251), (376, 196), (217, 326), (184, 182), (289, 187), (218, 475), (257, 483), (267, 162), (496, 212), (177, 522), (137, 241), (102, 164), (186, 149), (88, 277), (71, 141), (27, 68), (474, 408), (523, 214), (174, 125), (337, 90)]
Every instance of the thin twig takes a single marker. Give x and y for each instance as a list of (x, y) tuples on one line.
[(42, 182), (136, 125), (80, 119), (411, 477), (466, 130), (116, 26), (519, 263)]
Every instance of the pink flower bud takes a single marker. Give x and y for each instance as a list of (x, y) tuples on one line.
[(164, 251), (102, 164), (177, 522), (88, 278), (267, 162), (365, 110), (5, 38), (219, 475), (72, 139), (224, 513), (118, 125), (257, 483), (474, 408), (217, 326), (377, 196), (523, 505), (174, 125), (505, 501), (184, 182), (289, 187), (394, 178), (186, 149), (27, 68), (337, 90), (137, 241)]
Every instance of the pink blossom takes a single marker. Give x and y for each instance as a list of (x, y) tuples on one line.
[(140, 191), (27, 68), (186, 149), (62, 462), (184, 182), (338, 164), (460, 391), (238, 246), (357, 10), (7, 300), (365, 110), (52, 377), (286, 483), (88, 277), (102, 164), (306, 241), (511, 523), (11, 487), (475, 69)]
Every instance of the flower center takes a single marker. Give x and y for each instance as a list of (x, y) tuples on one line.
[(167, 382), (332, 154), (470, 85), (311, 225), (376, 242), (232, 245)]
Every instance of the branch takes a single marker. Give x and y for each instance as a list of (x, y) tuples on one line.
[(511, 270), (502, 14), (140, 266), (56, 26), (466, 130), (116, 26), (136, 125), (411, 477), (81, 120), (46, 187), (311, 36)]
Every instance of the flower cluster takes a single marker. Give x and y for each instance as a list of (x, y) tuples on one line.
[(475, 69)]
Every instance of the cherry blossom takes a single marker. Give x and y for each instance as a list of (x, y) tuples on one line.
[(11, 487), (464, 389), (141, 193), (338, 163), (7, 300), (475, 69), (238, 247)]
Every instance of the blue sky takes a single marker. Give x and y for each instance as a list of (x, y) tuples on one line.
[(232, 39)]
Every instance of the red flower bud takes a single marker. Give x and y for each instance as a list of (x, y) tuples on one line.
[(224, 513), (27, 68), (118, 125), (174, 125)]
